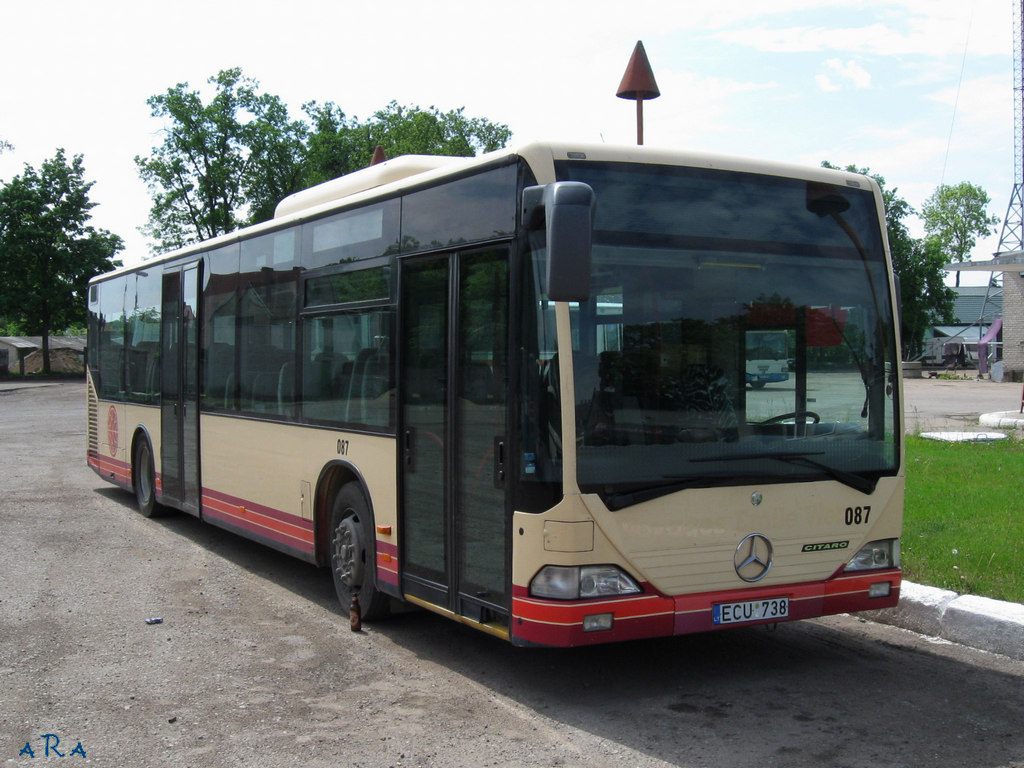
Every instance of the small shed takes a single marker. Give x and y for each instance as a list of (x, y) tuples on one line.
[(15, 350)]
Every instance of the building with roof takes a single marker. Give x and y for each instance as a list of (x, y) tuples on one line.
[(15, 349), (1011, 322)]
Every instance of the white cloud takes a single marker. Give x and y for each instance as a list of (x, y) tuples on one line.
[(695, 109), (807, 39), (850, 71), (930, 28), (825, 84), (980, 102)]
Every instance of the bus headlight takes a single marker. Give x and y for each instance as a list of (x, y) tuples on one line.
[(876, 556), (561, 582)]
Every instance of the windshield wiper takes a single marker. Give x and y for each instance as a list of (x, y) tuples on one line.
[(857, 482), (629, 498), (624, 499)]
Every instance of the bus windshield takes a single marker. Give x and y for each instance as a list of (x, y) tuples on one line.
[(700, 279)]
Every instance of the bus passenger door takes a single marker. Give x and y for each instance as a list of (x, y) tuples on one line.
[(179, 402), (453, 432)]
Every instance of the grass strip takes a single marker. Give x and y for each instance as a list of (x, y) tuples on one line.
[(963, 526)]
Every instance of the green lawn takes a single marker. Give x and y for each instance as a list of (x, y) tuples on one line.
[(964, 524)]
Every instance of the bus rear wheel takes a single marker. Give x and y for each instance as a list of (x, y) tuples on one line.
[(144, 479), (352, 554)]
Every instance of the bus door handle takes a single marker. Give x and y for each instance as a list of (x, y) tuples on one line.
[(499, 462), (408, 441)]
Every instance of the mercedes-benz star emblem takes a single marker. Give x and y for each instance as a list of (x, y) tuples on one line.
[(753, 558)]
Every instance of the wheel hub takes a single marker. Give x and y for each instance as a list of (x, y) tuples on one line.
[(348, 561)]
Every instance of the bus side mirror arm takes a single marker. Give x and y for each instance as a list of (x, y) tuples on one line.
[(566, 210)]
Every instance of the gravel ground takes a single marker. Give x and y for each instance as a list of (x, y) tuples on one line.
[(254, 664)]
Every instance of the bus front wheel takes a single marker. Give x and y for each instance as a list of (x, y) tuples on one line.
[(352, 553)]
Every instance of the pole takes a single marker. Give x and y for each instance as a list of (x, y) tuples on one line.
[(638, 84)]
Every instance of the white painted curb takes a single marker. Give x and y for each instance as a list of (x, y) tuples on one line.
[(990, 625), (977, 622), (1003, 419)]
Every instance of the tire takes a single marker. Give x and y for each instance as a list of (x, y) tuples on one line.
[(144, 479), (353, 559)]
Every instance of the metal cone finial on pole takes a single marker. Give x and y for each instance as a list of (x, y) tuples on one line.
[(638, 83), (378, 155)]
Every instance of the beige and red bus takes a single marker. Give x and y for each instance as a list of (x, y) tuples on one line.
[(511, 389)]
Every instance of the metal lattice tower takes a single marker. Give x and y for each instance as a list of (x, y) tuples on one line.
[(1012, 237)]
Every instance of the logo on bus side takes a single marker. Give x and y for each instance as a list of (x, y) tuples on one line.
[(825, 546), (112, 430)]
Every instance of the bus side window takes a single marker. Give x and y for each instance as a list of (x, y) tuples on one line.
[(346, 368)]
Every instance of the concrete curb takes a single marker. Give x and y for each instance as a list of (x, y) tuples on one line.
[(977, 622), (12, 386), (1002, 419)]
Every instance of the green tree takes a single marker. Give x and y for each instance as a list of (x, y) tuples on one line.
[(956, 216), (338, 145), (335, 146), (222, 164), (412, 130), (48, 249), (227, 163), (7, 327), (925, 300)]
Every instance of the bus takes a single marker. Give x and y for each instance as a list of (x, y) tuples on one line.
[(767, 357), (510, 389)]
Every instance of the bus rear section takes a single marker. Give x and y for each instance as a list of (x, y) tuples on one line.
[(689, 501)]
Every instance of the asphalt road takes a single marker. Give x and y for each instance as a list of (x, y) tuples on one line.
[(254, 664), (955, 404)]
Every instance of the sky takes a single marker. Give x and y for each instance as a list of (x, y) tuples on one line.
[(919, 91)]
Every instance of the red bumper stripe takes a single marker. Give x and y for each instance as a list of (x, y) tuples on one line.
[(110, 469), (387, 563), (560, 623), (260, 521)]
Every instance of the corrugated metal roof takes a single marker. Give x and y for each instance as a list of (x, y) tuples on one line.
[(970, 301), (18, 342), (76, 343)]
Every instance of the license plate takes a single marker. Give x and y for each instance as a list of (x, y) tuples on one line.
[(750, 610)]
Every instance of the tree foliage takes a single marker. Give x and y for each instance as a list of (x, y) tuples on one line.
[(925, 300), (227, 163), (339, 145), (956, 216), (222, 164), (48, 249)]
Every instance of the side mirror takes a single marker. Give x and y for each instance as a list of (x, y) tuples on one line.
[(566, 210), (825, 199)]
